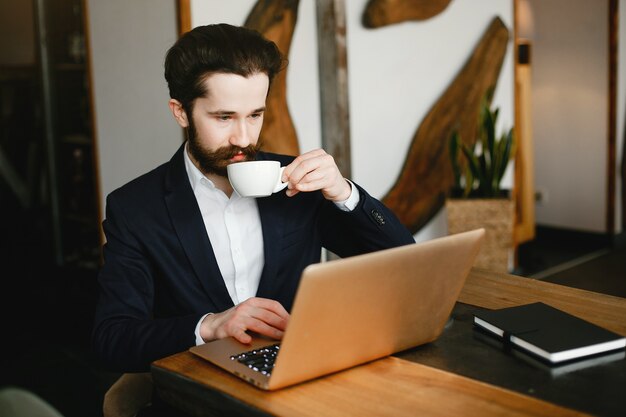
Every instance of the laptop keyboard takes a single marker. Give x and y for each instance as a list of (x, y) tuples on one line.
[(259, 360)]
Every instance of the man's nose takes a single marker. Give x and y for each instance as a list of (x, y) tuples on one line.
[(239, 136)]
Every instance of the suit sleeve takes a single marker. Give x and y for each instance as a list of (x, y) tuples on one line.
[(371, 226), (126, 336)]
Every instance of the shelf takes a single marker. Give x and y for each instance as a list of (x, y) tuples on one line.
[(79, 218), (11, 73), (67, 108), (70, 66), (77, 139)]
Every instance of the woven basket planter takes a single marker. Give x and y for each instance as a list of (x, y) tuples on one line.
[(496, 216)]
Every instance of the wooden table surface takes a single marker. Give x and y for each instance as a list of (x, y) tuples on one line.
[(389, 386), (496, 290)]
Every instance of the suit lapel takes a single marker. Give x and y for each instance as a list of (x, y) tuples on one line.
[(272, 224), (187, 221)]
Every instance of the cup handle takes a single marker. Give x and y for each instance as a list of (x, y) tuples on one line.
[(280, 185)]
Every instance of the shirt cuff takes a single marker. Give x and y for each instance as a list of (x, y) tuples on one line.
[(199, 340), (352, 201)]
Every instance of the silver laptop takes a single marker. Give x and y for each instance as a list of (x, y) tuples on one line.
[(354, 310)]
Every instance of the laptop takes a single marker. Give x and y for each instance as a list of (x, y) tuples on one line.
[(354, 310)]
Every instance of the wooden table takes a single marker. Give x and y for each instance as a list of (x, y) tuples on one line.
[(389, 386)]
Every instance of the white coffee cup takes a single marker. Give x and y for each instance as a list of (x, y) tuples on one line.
[(256, 178)]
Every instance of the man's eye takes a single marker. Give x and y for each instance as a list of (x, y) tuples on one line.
[(224, 117), (256, 115)]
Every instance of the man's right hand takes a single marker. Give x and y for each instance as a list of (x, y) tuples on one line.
[(260, 315)]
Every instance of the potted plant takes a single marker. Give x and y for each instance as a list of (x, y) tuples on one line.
[(477, 199)]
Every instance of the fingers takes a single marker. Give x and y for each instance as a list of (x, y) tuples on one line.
[(307, 155), (265, 317), (316, 170), (241, 336), (310, 162), (269, 305), (262, 328)]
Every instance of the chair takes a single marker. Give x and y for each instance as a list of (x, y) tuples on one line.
[(18, 402), (128, 395)]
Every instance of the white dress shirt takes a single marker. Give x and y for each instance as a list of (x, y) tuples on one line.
[(234, 229)]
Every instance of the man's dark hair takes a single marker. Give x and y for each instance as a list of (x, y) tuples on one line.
[(219, 48)]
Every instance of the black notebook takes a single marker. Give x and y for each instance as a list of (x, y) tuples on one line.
[(549, 333)]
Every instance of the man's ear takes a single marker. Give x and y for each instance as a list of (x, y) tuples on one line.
[(178, 112)]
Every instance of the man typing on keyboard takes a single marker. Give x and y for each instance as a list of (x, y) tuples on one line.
[(187, 260)]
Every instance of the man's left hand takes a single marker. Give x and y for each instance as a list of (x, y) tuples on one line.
[(316, 170)]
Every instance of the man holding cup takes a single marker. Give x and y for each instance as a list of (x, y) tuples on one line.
[(189, 260)]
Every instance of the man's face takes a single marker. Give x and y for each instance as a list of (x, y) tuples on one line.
[(226, 123)]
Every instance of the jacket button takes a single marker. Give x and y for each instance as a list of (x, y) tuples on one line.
[(378, 217)]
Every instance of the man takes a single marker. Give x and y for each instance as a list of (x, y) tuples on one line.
[(187, 260)]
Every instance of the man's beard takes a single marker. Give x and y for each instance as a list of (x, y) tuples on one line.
[(215, 162)]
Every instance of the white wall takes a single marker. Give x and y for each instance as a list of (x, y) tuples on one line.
[(396, 74), (570, 87), (302, 75), (134, 128)]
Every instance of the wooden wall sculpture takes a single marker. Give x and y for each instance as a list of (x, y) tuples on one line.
[(426, 177), (386, 12), (276, 20)]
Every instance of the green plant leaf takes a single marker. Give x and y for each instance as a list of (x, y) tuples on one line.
[(506, 153), (490, 135), (454, 158), (483, 173), (497, 163), (474, 165), (469, 182), (487, 156)]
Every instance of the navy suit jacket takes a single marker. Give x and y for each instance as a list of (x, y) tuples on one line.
[(160, 274)]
